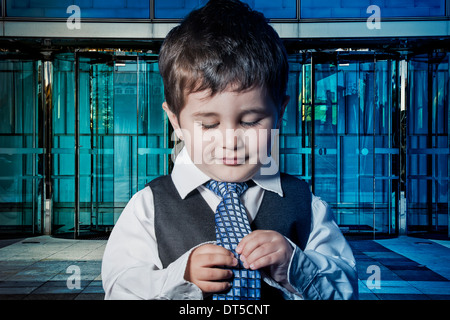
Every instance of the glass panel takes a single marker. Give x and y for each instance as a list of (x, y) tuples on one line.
[(358, 9), (293, 150), (275, 9), (123, 138), (178, 9), (63, 143), (427, 144), (325, 141), (153, 144), (96, 123), (88, 9), (20, 181), (353, 114), (345, 144)]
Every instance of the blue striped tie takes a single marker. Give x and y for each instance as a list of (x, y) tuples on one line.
[(231, 226)]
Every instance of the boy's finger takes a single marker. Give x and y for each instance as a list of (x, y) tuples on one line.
[(212, 287), (250, 242), (215, 274), (213, 249), (258, 253), (264, 261), (217, 260)]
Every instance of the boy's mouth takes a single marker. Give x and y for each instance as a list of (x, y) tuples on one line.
[(234, 161)]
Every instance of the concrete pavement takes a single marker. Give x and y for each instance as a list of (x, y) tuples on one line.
[(46, 267)]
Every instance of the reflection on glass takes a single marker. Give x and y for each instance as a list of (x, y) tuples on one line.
[(344, 144), (63, 142), (272, 9), (88, 9), (122, 136), (341, 133), (427, 143), (355, 9), (352, 133), (20, 182)]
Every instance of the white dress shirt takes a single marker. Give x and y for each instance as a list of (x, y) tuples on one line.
[(131, 268)]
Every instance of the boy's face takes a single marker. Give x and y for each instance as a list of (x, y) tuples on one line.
[(228, 136)]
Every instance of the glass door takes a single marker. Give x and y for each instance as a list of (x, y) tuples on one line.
[(127, 139), (295, 147), (354, 137), (21, 152), (62, 144), (428, 144), (378, 153), (110, 137), (94, 168)]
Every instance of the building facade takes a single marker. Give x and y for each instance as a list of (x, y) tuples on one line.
[(82, 128)]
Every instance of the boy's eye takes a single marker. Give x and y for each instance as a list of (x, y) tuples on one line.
[(243, 123), (250, 124), (209, 126)]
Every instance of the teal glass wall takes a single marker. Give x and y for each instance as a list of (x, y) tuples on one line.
[(87, 131), (428, 143), (63, 143), (122, 136), (136, 9), (178, 9), (122, 9), (273, 9), (358, 9), (20, 181), (341, 135)]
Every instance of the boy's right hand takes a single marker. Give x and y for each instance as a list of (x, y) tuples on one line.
[(206, 268)]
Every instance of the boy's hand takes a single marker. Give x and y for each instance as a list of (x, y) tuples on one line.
[(266, 248), (204, 268)]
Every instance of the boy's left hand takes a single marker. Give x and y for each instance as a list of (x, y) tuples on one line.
[(266, 248)]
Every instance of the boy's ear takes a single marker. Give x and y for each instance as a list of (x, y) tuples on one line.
[(282, 110), (173, 120)]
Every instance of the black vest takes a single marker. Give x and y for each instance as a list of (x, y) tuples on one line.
[(181, 224)]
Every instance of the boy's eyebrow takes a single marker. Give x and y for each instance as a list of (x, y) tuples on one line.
[(214, 114), (258, 110), (205, 114)]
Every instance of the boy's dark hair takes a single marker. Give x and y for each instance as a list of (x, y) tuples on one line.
[(221, 44)]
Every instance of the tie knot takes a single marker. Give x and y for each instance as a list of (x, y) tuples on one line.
[(226, 188)]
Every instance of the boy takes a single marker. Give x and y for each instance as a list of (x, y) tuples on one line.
[(225, 73)]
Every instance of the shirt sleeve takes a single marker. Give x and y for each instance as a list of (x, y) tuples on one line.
[(326, 269), (131, 268)]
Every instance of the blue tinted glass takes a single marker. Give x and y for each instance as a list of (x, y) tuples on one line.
[(358, 9), (278, 9), (178, 9), (19, 178), (88, 8)]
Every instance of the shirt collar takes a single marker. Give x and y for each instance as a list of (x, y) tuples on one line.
[(269, 182), (187, 177)]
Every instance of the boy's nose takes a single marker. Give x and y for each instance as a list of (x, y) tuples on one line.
[(233, 139)]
